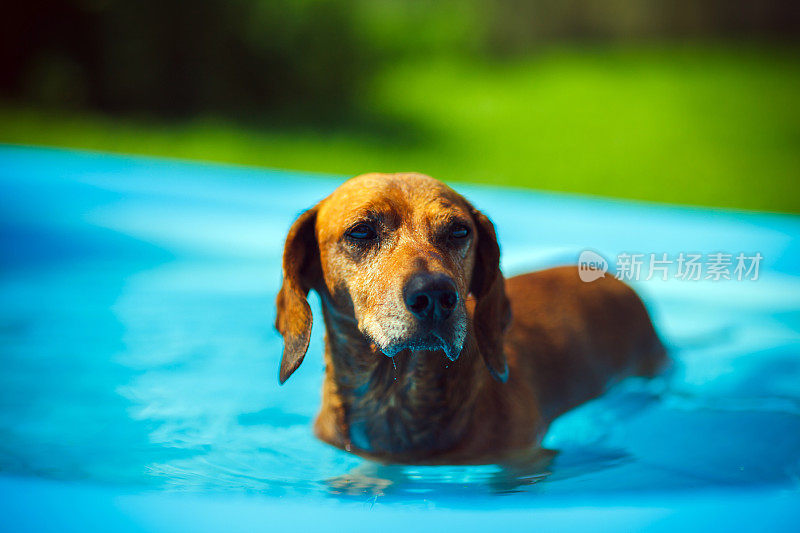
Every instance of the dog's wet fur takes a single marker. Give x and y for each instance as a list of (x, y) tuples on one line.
[(431, 356)]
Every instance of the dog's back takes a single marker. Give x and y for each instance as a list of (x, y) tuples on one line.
[(570, 339)]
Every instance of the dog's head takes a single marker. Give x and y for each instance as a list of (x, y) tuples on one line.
[(398, 254)]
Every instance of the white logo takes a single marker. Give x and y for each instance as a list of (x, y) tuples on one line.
[(591, 266)]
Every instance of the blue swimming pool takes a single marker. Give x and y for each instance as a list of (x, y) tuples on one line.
[(138, 365)]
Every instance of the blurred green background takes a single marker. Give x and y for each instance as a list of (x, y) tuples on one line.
[(693, 102)]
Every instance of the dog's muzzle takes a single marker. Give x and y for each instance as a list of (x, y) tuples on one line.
[(431, 298)]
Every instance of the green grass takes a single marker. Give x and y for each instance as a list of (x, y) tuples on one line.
[(706, 125)]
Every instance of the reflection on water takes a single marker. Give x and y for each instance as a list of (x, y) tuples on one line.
[(138, 348)]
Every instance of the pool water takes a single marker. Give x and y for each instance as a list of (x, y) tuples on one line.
[(138, 358)]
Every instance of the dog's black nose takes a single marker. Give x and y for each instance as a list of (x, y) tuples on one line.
[(430, 297)]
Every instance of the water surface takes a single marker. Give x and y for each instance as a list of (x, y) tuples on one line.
[(137, 349)]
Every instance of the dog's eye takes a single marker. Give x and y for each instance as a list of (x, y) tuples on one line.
[(459, 231), (361, 232)]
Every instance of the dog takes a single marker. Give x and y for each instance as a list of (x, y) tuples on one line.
[(431, 356)]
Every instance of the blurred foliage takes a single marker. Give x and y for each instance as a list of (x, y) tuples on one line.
[(569, 95), (518, 25), (712, 125), (307, 60), (181, 57)]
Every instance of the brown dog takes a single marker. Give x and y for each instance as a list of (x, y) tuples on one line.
[(424, 362)]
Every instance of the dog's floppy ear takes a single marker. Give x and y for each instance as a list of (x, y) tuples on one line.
[(492, 310), (301, 268)]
